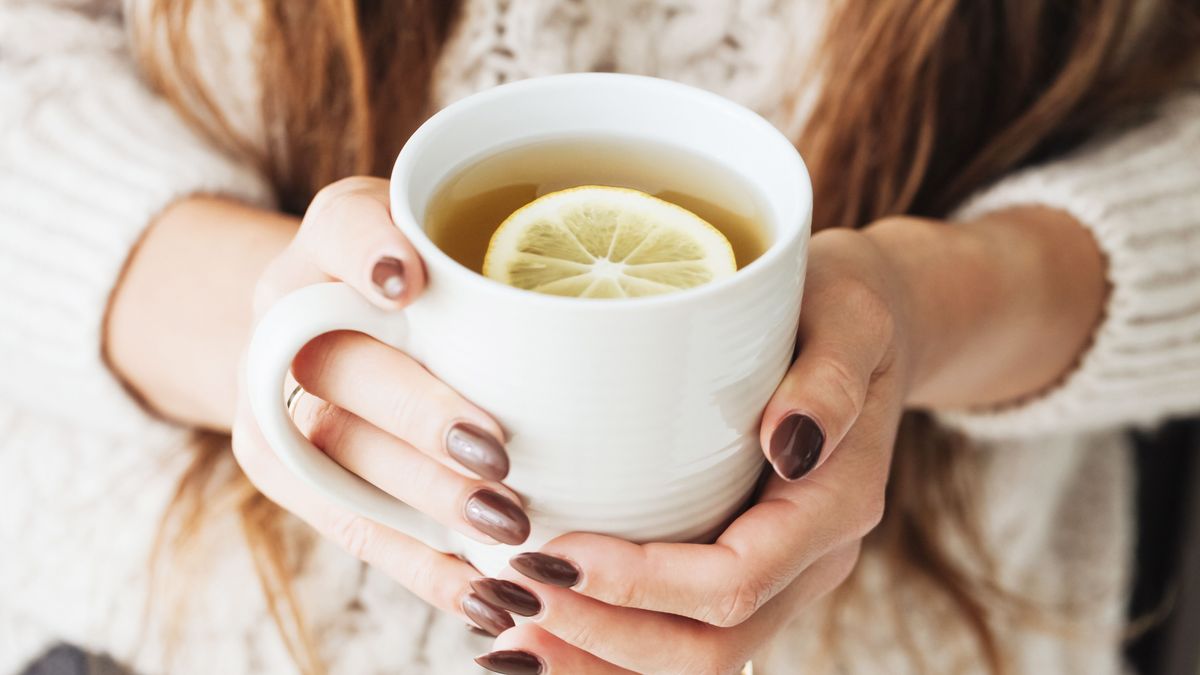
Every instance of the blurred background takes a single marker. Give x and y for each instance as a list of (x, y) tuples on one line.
[(1166, 597)]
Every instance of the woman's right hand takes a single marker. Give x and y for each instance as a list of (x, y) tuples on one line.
[(381, 415)]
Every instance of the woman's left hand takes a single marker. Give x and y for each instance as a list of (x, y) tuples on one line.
[(604, 605)]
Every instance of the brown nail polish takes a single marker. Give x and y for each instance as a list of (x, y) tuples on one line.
[(796, 446), (547, 569), (477, 450), (388, 277), (507, 595), (497, 516), (494, 621), (512, 662)]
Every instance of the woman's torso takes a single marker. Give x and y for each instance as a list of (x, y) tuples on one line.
[(753, 51)]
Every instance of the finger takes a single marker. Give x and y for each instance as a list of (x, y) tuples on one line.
[(652, 642), (348, 233), (760, 553), (634, 639), (823, 393), (347, 230), (440, 579), (485, 511), (395, 393), (721, 584), (529, 649)]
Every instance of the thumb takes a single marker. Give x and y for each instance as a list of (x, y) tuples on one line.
[(823, 393)]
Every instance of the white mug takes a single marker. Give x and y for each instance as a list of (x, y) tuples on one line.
[(636, 418)]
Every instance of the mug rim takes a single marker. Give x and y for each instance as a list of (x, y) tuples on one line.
[(406, 219)]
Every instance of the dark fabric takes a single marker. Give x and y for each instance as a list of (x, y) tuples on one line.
[(1165, 581), (68, 660)]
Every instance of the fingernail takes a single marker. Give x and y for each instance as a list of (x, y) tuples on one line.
[(494, 621), (388, 277), (512, 662), (507, 595), (477, 450), (796, 446), (547, 569), (497, 516)]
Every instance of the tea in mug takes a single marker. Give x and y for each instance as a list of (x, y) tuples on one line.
[(468, 207)]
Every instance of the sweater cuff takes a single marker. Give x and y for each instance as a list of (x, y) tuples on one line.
[(88, 158), (1138, 192)]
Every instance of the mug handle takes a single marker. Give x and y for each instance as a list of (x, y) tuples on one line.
[(291, 323)]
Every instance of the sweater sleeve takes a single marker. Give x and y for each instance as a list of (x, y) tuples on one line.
[(1138, 192), (88, 157)]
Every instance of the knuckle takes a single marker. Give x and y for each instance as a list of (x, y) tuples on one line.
[(416, 573), (626, 591), (432, 402), (434, 489), (418, 407), (737, 604), (323, 423), (353, 534), (859, 295), (581, 634), (849, 391)]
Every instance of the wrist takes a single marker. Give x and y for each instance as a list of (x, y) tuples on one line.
[(179, 315), (1000, 308), (944, 284)]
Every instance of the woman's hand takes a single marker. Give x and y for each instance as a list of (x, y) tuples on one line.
[(905, 312), (602, 605), (381, 415)]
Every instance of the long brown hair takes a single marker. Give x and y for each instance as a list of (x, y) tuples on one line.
[(923, 102)]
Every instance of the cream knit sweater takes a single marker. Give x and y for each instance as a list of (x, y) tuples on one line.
[(88, 156)]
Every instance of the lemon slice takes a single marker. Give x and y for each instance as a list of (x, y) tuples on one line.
[(606, 242)]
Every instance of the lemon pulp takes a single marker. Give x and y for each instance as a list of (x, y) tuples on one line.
[(606, 242)]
